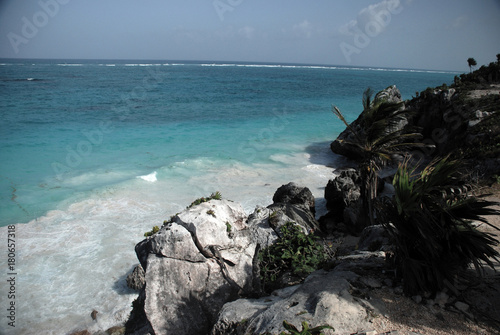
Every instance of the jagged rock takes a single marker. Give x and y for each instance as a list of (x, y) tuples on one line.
[(324, 298), (390, 94), (197, 263), (136, 279), (342, 195), (293, 203), (293, 194), (343, 190)]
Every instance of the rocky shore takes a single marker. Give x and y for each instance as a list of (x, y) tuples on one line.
[(201, 272)]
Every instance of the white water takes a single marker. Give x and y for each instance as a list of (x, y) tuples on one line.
[(72, 261)]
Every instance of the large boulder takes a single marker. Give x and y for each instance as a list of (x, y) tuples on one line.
[(295, 195), (197, 262), (343, 191), (325, 298), (293, 203)]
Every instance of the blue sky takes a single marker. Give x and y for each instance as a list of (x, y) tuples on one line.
[(420, 34)]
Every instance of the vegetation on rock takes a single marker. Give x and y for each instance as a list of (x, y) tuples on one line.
[(152, 232), (213, 196), (295, 253)]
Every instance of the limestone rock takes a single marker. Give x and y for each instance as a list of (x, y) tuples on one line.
[(324, 298), (136, 279), (197, 263)]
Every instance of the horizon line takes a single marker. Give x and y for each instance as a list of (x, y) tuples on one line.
[(230, 62)]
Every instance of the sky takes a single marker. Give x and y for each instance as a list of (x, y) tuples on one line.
[(411, 34)]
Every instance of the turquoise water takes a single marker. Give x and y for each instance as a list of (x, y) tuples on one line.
[(95, 153), (72, 127)]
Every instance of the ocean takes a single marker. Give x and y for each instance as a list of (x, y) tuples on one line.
[(95, 153)]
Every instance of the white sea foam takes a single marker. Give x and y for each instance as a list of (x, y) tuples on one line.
[(150, 177), (74, 260)]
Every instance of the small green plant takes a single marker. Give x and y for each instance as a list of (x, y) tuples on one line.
[(295, 253), (152, 232), (228, 227), (213, 196), (292, 330), (211, 212)]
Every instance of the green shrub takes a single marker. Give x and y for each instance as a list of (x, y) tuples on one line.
[(152, 232), (295, 253), (213, 196), (430, 221), (305, 329)]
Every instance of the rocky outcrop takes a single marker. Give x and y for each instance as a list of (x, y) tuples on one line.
[(136, 279), (196, 263), (342, 145), (206, 256), (332, 298), (296, 204)]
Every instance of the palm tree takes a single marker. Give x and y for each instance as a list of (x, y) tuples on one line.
[(472, 62), (379, 140), (498, 59), (430, 221)]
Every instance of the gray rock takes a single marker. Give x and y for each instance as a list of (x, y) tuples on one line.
[(197, 263), (324, 298), (282, 213), (371, 282), (343, 190), (293, 194), (293, 203), (136, 279), (390, 94)]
